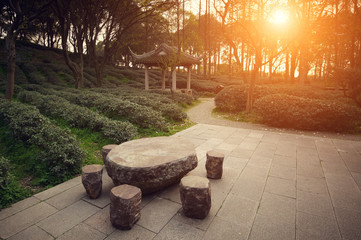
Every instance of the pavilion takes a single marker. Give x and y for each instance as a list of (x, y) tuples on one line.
[(164, 57)]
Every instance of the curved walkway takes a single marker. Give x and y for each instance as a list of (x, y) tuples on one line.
[(202, 113)]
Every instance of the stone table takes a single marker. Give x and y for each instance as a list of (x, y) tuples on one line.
[(151, 163)]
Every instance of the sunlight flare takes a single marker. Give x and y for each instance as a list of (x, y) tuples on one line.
[(279, 16)]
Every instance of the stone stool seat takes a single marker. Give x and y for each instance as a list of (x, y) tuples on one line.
[(91, 177), (125, 203), (195, 194), (106, 149), (214, 164)]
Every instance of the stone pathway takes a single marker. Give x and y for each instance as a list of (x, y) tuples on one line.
[(275, 185)]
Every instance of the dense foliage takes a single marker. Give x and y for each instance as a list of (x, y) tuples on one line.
[(281, 110), (60, 154), (78, 116), (232, 98)]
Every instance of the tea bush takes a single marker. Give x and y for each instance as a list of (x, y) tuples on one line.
[(143, 116), (232, 99), (4, 171), (78, 116), (60, 154), (281, 110), (155, 101), (10, 190)]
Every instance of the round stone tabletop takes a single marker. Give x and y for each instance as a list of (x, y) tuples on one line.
[(151, 163)]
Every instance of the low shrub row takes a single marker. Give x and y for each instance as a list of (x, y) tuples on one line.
[(232, 99), (281, 110), (155, 101), (60, 154), (142, 116), (78, 116)]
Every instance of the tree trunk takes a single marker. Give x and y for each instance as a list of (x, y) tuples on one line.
[(254, 77), (303, 65), (10, 46)]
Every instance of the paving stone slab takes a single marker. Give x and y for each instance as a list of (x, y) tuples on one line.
[(266, 227), (67, 197), (58, 188), (235, 162), (319, 227), (357, 177), (248, 188), (179, 231), (313, 185), (259, 161), (286, 149), (241, 153), (255, 173), (280, 208), (317, 204), (24, 219), (171, 193), (331, 168), (284, 161), (223, 229), (347, 200), (284, 172), (101, 221), (82, 232), (238, 210), (344, 183), (202, 224), (349, 222), (32, 233), (17, 207), (281, 186), (67, 218), (156, 214), (136, 233), (308, 170)]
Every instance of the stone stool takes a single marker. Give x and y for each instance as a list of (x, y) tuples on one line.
[(195, 194), (214, 164), (106, 149), (125, 203), (91, 177)]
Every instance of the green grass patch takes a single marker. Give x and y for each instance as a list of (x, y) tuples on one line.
[(237, 116), (91, 142), (174, 127)]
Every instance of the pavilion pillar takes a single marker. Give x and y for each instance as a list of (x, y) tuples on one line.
[(189, 78), (163, 79), (146, 80), (174, 79)]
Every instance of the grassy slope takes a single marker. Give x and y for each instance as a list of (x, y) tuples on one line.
[(38, 65)]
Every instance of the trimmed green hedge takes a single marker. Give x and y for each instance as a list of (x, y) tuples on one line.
[(81, 117), (4, 171), (281, 110), (61, 155), (157, 102), (111, 105), (232, 99)]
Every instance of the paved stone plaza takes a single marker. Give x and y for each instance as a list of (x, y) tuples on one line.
[(274, 186)]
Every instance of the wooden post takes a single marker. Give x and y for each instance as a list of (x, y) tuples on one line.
[(146, 80), (163, 79), (174, 79), (189, 78)]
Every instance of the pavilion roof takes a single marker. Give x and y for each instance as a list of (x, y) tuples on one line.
[(165, 55)]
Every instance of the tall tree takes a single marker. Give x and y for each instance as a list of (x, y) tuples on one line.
[(17, 16)]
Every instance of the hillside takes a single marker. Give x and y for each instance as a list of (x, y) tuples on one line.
[(51, 129)]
